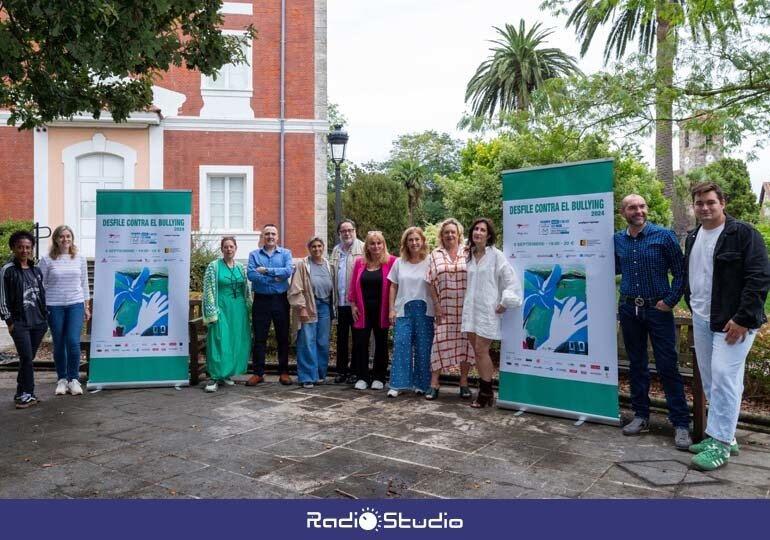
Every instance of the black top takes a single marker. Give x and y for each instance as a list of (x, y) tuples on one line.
[(741, 279), (32, 312), (371, 290)]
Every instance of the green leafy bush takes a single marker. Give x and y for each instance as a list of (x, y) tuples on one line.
[(201, 254)]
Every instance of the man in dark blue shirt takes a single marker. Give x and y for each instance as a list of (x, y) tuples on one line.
[(269, 270), (644, 255)]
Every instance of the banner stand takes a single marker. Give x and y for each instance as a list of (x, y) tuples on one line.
[(139, 333), (558, 352)]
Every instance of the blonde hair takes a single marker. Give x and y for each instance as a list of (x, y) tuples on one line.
[(54, 252), (443, 225), (404, 251), (370, 236)]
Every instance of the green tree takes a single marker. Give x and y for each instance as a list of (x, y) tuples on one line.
[(58, 59), (411, 176), (376, 202), (655, 25), (733, 177), (518, 64), (477, 189), (438, 154)]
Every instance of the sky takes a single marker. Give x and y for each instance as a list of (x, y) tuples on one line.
[(401, 66)]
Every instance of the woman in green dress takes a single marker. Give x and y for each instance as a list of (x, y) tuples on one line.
[(226, 309)]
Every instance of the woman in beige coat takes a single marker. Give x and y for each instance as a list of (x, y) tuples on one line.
[(311, 296)]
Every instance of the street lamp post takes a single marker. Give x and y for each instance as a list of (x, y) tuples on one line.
[(338, 140)]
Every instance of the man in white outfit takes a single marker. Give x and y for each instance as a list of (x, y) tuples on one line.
[(728, 277)]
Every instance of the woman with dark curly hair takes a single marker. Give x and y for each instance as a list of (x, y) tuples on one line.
[(22, 307)]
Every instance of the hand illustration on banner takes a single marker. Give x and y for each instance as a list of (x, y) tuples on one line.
[(567, 320), (153, 309), (556, 309), (128, 290), (540, 292), (141, 302)]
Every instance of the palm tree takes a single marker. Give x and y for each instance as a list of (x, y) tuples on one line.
[(656, 22), (411, 175), (518, 65)]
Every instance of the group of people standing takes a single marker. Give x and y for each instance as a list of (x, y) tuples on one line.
[(421, 294), (33, 298), (444, 305), (724, 276)]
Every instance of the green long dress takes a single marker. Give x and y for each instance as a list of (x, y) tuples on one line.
[(228, 344)]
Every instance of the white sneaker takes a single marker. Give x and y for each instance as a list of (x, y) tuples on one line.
[(392, 393), (361, 385), (377, 385), (61, 387), (211, 386), (228, 382), (74, 387), (307, 385)]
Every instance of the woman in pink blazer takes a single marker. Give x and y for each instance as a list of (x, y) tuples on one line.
[(369, 296)]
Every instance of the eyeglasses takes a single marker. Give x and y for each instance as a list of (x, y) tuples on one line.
[(346, 231), (373, 232)]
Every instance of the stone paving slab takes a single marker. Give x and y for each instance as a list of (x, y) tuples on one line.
[(335, 442)]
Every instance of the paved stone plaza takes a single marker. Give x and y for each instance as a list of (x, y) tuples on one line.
[(332, 441)]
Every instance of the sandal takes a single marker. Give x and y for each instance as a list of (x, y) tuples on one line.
[(465, 392), (431, 394), (485, 397)]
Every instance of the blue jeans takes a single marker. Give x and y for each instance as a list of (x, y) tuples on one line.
[(658, 325), (66, 322), (412, 340), (313, 346), (721, 369)]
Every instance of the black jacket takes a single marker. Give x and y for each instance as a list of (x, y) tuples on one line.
[(12, 292), (741, 275)]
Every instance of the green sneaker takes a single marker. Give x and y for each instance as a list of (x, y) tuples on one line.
[(709, 442), (711, 458)]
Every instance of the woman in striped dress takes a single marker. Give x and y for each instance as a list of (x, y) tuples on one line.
[(447, 278)]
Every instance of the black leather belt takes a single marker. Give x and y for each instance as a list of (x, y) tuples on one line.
[(638, 301)]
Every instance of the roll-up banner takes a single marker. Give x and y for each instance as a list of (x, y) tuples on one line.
[(139, 334), (559, 351)]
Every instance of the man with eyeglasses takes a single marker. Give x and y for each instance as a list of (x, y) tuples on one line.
[(728, 281), (341, 264), (644, 255), (269, 270)]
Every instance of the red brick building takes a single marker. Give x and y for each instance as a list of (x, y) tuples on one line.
[(222, 139)]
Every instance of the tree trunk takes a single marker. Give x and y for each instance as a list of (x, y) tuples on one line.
[(666, 48)]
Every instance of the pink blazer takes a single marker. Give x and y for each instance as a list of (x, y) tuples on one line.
[(356, 297)]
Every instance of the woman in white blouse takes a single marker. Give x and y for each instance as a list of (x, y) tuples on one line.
[(493, 287), (65, 277), (411, 313)]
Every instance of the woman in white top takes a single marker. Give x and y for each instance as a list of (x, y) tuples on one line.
[(493, 287), (65, 277), (411, 310)]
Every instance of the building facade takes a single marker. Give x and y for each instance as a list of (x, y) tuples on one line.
[(250, 145)]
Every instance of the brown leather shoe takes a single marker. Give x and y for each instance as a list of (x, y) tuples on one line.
[(284, 379), (254, 380)]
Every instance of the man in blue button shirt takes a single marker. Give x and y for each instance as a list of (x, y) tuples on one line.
[(644, 255), (269, 270)]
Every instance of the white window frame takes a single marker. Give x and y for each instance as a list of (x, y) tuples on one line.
[(208, 90), (206, 171)]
